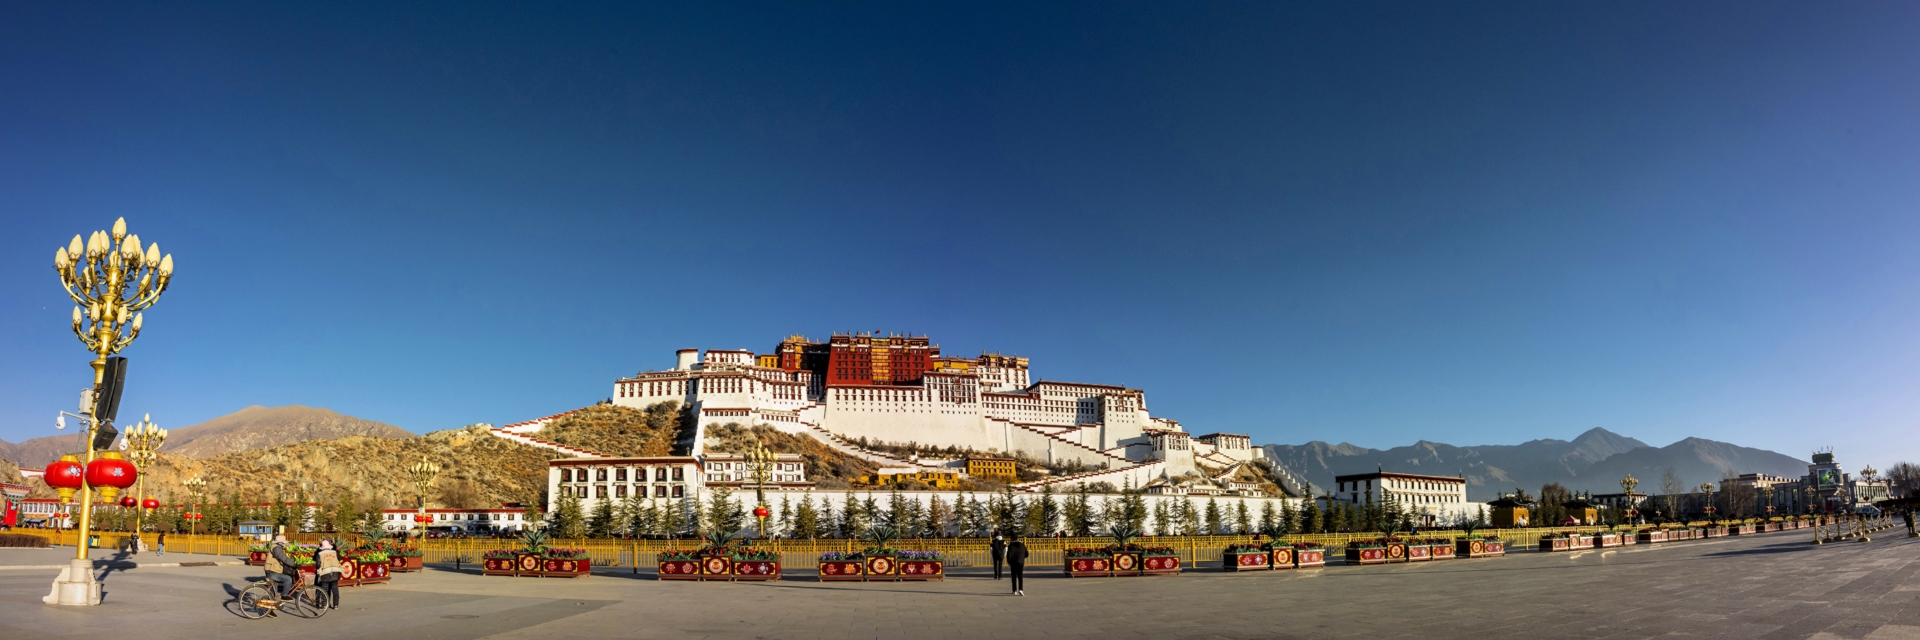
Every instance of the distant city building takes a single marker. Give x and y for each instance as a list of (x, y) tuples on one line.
[(1433, 500), (998, 468), (469, 521)]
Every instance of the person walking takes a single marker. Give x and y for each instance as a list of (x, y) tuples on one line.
[(327, 573), (160, 544), (1017, 564), (999, 549), (1908, 515)]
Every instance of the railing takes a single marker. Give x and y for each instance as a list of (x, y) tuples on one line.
[(797, 554)]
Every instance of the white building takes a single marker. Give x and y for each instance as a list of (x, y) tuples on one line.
[(472, 521), (1433, 500)]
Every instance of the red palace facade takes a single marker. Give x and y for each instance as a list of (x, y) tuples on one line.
[(857, 359)]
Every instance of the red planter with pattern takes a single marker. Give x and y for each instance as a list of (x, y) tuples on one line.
[(923, 570), (1128, 563), (1159, 566), (1419, 553), (756, 570), (353, 573), (680, 570), (1089, 567), (1367, 555), (565, 567), (497, 567), (1606, 540), (1441, 551), (1248, 561), (1303, 558), (1555, 544), (842, 571), (882, 568), (405, 564)]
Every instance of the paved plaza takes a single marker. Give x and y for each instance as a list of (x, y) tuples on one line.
[(1766, 586)]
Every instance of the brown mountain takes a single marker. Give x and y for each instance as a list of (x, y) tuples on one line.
[(258, 427), (36, 453)]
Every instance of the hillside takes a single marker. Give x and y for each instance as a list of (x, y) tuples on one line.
[(479, 470), (258, 427), (36, 453), (1693, 460), (622, 431), (826, 467)]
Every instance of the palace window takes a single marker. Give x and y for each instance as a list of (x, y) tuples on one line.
[(660, 491), (620, 491), (620, 474), (600, 491), (660, 474), (601, 476), (678, 491)]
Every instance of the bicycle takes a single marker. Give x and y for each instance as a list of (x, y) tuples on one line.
[(259, 599)]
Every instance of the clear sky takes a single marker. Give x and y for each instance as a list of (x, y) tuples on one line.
[(1372, 223)]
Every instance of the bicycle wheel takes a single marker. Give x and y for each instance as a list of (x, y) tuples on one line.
[(312, 602), (252, 602)]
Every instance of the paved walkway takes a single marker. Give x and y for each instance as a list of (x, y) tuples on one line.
[(1767, 586), (56, 558)]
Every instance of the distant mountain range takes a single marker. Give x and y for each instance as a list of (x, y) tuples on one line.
[(252, 428), (1595, 461)]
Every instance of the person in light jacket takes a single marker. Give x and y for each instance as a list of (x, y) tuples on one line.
[(1017, 563), (327, 573)]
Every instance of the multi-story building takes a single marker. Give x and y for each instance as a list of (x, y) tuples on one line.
[(1001, 469), (594, 479), (509, 517), (1432, 500)]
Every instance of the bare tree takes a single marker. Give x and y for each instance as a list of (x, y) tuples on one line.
[(1904, 478), (1672, 488)]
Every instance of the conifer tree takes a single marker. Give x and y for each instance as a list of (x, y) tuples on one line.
[(1215, 523), (783, 526), (806, 520), (1049, 517), (1310, 520), (1242, 521), (939, 518), (1189, 518), (302, 518), (601, 524), (568, 522), (898, 515)]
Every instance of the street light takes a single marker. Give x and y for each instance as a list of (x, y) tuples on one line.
[(143, 448), (760, 465), (195, 486), (423, 473), (111, 278), (1627, 484), (1707, 488)]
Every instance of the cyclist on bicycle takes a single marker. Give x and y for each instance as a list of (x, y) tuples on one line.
[(280, 567)]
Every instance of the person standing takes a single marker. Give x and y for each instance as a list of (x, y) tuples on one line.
[(160, 542), (999, 549), (327, 573), (1908, 515), (1017, 564)]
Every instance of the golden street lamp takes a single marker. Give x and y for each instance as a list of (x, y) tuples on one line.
[(195, 486), (1706, 488), (111, 278), (423, 473), (1627, 485), (760, 465), (143, 449)]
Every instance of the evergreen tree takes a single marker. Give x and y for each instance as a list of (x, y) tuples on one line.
[(898, 515), (853, 517), (343, 515), (939, 518), (1215, 523), (303, 520), (1078, 522), (529, 515), (1289, 519), (1310, 520), (916, 518), (972, 516), (1269, 519), (1007, 512), (1162, 519), (784, 525), (601, 524), (568, 522), (806, 520), (1049, 520), (688, 516), (724, 514), (1242, 521), (1189, 518), (1133, 508)]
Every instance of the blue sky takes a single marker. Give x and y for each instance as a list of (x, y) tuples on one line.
[(1372, 223)]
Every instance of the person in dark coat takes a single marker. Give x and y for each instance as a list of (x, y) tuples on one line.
[(999, 548), (1017, 563)]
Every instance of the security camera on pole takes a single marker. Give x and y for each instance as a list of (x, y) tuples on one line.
[(111, 278)]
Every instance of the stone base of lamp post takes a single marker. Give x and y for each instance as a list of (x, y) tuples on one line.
[(75, 586)]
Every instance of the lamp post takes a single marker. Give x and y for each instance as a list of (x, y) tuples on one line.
[(111, 277), (1627, 485), (195, 486), (760, 465), (423, 473), (143, 448), (1706, 488)]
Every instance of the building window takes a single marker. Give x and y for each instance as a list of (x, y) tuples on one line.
[(566, 475), (620, 475), (600, 491), (660, 474), (620, 491), (677, 490), (679, 475), (601, 475), (660, 491)]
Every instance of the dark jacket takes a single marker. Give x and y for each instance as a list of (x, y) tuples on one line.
[(1017, 553), (999, 548), (286, 561)]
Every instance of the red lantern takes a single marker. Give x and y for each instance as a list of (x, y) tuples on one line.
[(110, 473), (150, 504), (761, 512), (126, 501), (67, 475)]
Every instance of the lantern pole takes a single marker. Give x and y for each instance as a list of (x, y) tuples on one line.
[(194, 486), (760, 464), (423, 473), (111, 277), (143, 445)]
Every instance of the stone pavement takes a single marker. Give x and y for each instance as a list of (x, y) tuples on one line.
[(56, 558), (1766, 586)]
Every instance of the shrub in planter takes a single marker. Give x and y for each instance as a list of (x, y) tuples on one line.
[(1127, 556), (882, 559), (497, 562), (1373, 551), (921, 565), (1246, 557), (756, 564), (1309, 554)]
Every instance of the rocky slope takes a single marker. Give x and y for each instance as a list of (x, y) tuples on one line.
[(258, 427), (38, 452), (621, 431)]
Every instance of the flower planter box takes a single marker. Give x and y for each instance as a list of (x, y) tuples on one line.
[(1248, 561), (1281, 558), (257, 558), (1651, 537), (1159, 566), (353, 573), (756, 570), (1580, 542), (923, 570), (1606, 540), (405, 564), (1555, 544), (1628, 539), (1127, 564), (680, 570), (1396, 552), (1368, 555), (1479, 548), (842, 571), (1717, 532), (565, 567), (1745, 530), (1442, 551), (1089, 567), (1418, 552), (882, 568), (1309, 558), (498, 567)]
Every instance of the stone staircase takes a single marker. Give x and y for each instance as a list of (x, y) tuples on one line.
[(544, 444)]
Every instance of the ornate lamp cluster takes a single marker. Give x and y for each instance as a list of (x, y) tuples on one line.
[(143, 448), (423, 473), (760, 465), (97, 274)]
